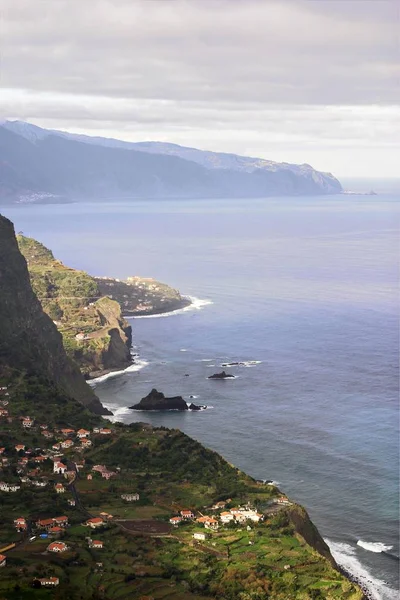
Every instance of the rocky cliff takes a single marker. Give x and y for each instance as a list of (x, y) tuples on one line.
[(95, 334), (29, 340)]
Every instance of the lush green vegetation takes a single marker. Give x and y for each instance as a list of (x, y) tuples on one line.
[(171, 472)]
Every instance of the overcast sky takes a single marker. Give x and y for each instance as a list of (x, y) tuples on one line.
[(314, 81)]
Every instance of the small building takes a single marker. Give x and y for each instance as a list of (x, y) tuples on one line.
[(226, 517), (130, 497), (95, 522), (89, 477), (219, 505), (67, 431), (67, 444), (283, 500), (108, 474), (105, 431), (57, 547), (20, 524), (200, 536), (62, 521), (48, 581), (55, 531), (27, 422), (59, 468), (86, 443), (3, 560), (71, 502), (95, 544), (175, 521), (82, 433), (20, 447), (60, 489), (187, 514)]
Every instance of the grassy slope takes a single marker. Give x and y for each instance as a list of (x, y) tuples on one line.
[(71, 299), (170, 471)]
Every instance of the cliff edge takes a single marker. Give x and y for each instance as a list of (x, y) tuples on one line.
[(29, 340)]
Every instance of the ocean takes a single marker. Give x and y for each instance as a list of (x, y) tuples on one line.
[(305, 292)]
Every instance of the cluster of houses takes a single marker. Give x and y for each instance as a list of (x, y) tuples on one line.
[(234, 515)]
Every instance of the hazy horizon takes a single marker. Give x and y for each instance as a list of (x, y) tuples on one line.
[(298, 82)]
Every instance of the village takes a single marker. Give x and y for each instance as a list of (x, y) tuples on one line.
[(58, 464)]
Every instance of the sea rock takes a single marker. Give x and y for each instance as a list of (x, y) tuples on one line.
[(222, 375), (196, 407), (157, 401)]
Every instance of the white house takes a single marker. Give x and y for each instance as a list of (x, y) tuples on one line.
[(199, 536), (49, 581), (130, 497), (59, 468), (226, 517)]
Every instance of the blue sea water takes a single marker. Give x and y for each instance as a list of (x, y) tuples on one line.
[(306, 286)]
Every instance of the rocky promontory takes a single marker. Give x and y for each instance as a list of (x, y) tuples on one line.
[(157, 401), (138, 296)]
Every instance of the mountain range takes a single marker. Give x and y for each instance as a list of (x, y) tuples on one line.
[(43, 165)]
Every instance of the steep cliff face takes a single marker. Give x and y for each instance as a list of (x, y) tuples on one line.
[(95, 334), (29, 339), (306, 528)]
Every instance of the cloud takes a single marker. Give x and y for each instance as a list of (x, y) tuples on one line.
[(237, 75)]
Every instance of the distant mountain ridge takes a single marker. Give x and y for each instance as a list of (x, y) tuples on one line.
[(41, 164)]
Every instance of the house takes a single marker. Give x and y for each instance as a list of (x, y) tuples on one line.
[(55, 530), (39, 459), (175, 521), (106, 516), (283, 500), (208, 522), (69, 474), (86, 443), (99, 468), (9, 487), (59, 468), (20, 524), (96, 429), (47, 434), (67, 444), (105, 431), (226, 517), (71, 502), (20, 447), (3, 560), (130, 497), (94, 523), (219, 505), (200, 536), (60, 489), (48, 581), (89, 477), (39, 483), (67, 431), (45, 523), (56, 446), (82, 433), (95, 544), (27, 422), (57, 547), (62, 521), (2, 450), (43, 426), (252, 515), (3, 412), (81, 336), (108, 474), (187, 514)]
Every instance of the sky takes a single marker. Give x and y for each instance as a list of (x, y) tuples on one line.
[(302, 81)]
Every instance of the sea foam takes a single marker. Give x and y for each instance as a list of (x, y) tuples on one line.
[(345, 556), (195, 304), (376, 547), (137, 366)]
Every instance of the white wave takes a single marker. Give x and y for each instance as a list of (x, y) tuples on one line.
[(244, 363), (137, 366), (345, 556), (183, 350), (376, 547), (196, 304), (118, 412), (205, 360), (275, 483)]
